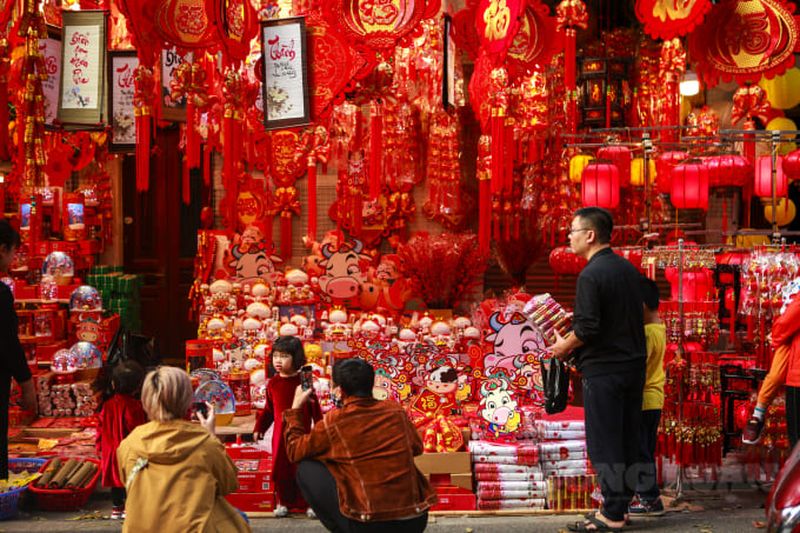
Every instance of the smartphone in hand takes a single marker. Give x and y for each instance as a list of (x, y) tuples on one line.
[(200, 407), (306, 377)]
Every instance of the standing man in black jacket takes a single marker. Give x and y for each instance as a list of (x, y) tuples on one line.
[(609, 344), (12, 356)]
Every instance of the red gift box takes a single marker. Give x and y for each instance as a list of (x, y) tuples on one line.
[(254, 475), (245, 451), (452, 498), (252, 502)]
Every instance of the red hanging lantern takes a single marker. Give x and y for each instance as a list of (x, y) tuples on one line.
[(664, 165), (791, 165), (621, 157), (727, 170), (690, 186), (762, 187), (600, 185)]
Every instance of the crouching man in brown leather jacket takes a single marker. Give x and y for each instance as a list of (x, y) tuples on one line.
[(357, 465)]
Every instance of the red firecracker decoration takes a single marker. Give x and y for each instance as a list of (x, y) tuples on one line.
[(690, 186), (600, 185), (762, 186)]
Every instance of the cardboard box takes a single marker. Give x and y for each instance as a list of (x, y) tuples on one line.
[(463, 481), (252, 502), (254, 475), (443, 463), (245, 451), (451, 498)]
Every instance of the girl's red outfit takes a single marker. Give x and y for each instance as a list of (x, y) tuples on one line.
[(279, 398), (120, 415)]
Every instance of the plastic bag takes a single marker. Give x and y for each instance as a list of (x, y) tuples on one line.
[(555, 375)]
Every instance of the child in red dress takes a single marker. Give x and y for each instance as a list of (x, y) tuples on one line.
[(119, 415), (287, 357)]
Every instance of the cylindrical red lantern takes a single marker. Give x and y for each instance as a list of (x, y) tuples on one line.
[(621, 157), (690, 186), (762, 187), (664, 165), (727, 170), (600, 185), (791, 164)]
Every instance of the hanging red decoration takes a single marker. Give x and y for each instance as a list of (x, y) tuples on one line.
[(600, 185), (727, 170), (665, 19), (378, 25), (571, 15), (237, 25), (689, 186), (144, 101), (621, 157), (664, 165), (744, 40), (563, 261), (480, 90), (187, 23), (464, 33), (5, 64), (762, 186), (334, 65), (751, 102), (484, 175), (315, 144), (791, 164), (497, 23), (536, 40), (140, 16)]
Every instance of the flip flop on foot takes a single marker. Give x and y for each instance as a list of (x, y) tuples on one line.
[(593, 523)]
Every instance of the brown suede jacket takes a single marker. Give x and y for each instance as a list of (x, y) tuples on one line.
[(369, 448)]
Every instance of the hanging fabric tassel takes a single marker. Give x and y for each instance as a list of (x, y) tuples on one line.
[(508, 159), (186, 188), (498, 146), (484, 193), (375, 150), (570, 36), (143, 125), (5, 152), (192, 138), (286, 235), (312, 198), (207, 149), (227, 148)]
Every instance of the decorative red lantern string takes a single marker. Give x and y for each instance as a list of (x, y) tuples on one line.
[(571, 14), (144, 100)]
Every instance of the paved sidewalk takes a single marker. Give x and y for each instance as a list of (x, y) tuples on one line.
[(707, 511)]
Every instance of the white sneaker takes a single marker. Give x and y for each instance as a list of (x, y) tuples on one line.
[(311, 514), (281, 511)]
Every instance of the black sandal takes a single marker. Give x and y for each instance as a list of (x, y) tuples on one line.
[(592, 520)]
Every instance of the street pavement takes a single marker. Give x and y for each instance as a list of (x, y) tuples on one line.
[(700, 511)]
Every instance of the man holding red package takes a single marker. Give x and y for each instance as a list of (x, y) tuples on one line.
[(357, 466), (609, 346)]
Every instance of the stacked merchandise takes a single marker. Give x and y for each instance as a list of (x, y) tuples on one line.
[(508, 476), (120, 293), (65, 399), (564, 461), (256, 492)]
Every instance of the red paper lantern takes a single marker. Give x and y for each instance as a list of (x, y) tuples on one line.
[(664, 165), (762, 187), (690, 186), (727, 170), (791, 165), (621, 157), (600, 185)]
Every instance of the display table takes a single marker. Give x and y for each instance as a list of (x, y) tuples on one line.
[(241, 425)]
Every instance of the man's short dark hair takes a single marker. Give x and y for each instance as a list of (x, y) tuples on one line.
[(355, 376), (599, 220), (649, 293), (8, 235)]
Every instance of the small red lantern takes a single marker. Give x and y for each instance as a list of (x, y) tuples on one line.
[(621, 157), (791, 165), (727, 170), (600, 185), (762, 186), (664, 165), (690, 186)]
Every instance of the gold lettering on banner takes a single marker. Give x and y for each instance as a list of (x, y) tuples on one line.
[(673, 9), (497, 18)]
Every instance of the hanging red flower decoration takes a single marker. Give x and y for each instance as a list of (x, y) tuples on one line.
[(536, 40), (237, 24), (334, 65), (743, 40), (751, 102), (58, 168), (497, 23), (665, 19), (187, 23), (378, 24)]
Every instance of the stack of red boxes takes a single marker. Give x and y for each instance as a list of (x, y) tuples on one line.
[(256, 493)]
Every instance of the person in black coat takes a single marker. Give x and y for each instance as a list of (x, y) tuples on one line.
[(12, 356)]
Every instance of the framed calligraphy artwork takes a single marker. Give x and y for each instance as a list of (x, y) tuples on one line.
[(121, 68), (171, 108), (50, 48), (82, 95), (285, 81)]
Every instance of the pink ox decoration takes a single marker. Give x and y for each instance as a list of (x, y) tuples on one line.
[(516, 337)]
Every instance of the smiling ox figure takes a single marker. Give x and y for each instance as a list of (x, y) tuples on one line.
[(498, 407)]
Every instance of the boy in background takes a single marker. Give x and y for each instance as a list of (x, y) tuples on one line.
[(648, 497)]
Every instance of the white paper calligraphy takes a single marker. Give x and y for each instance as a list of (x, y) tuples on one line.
[(81, 69)]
